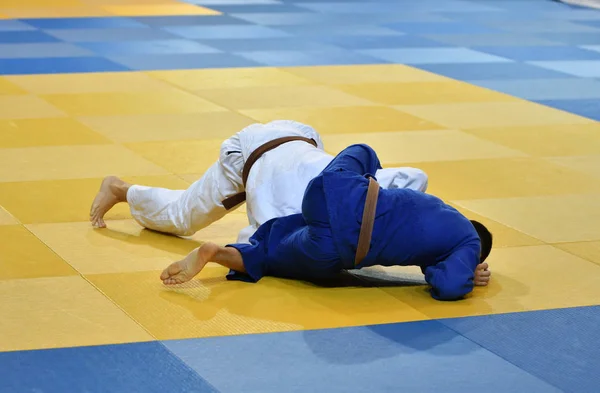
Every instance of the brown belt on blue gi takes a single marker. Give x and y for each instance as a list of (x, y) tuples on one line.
[(234, 200), (368, 220)]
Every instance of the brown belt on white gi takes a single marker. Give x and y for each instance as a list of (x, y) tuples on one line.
[(368, 220), (234, 200)]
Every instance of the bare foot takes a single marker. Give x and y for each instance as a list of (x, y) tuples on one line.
[(186, 269), (112, 191)]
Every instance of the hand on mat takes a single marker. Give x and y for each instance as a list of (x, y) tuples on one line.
[(482, 274), (186, 269)]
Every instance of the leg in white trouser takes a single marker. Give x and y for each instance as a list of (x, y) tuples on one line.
[(184, 212)]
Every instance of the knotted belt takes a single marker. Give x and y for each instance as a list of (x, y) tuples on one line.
[(368, 221), (234, 200)]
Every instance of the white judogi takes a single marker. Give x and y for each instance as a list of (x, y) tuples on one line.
[(275, 186)]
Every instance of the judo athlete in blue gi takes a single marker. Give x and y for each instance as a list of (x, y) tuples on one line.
[(410, 228)]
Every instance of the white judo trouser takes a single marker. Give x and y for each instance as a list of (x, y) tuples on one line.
[(275, 186)]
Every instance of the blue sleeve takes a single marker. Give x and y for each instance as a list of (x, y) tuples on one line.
[(452, 278)]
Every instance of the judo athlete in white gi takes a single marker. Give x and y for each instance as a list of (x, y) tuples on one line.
[(274, 187), (348, 222)]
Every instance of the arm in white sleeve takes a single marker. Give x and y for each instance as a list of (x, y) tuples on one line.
[(405, 177)]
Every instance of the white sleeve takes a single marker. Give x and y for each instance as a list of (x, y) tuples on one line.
[(405, 177), (185, 212)]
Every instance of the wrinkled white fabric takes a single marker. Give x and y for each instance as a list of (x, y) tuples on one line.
[(275, 185)]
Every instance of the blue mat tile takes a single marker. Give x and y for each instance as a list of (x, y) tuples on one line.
[(440, 28), (587, 108), (582, 68), (492, 71), (398, 7), (183, 61), (529, 53), (147, 47), (581, 14), (256, 8), (559, 346), (52, 49), (544, 25), (573, 38), (14, 25), (381, 42), (500, 39), (309, 58), (433, 56), (224, 32), (346, 30), (110, 35), (140, 367), (189, 20), (595, 48), (410, 357), (83, 23), (593, 23), (266, 44), (22, 37), (313, 18), (58, 65), (545, 89)]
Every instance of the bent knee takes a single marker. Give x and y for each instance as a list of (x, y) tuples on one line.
[(418, 180)]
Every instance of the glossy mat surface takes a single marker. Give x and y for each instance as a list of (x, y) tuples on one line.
[(498, 101)]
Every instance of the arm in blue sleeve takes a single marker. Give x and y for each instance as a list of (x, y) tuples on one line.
[(453, 278)]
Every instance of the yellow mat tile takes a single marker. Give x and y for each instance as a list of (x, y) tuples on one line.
[(107, 104), (64, 162), (39, 3), (553, 219), (418, 146), (547, 140), (143, 128), (504, 178), (104, 82), (124, 246), (52, 12), (91, 320), (347, 74), (416, 93), (159, 10), (523, 279), (47, 132), (504, 236), (280, 97), (8, 88), (347, 119), (212, 306), (585, 250), (229, 78), (68, 200), (584, 164), (194, 156), (500, 114), (26, 107), (6, 218), (22, 255)]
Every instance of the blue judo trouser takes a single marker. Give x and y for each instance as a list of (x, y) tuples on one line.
[(301, 246)]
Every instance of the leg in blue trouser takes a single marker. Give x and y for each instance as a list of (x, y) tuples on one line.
[(301, 246)]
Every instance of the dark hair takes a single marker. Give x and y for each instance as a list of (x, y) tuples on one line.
[(486, 239)]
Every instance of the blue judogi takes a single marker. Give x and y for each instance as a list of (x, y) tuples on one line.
[(411, 228)]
